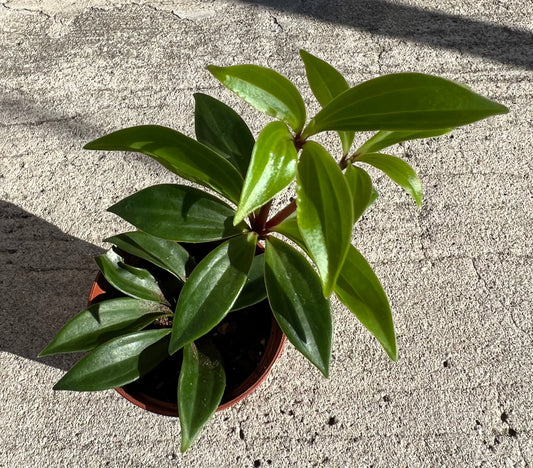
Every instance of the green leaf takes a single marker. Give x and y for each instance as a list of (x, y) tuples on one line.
[(398, 170), (266, 90), (359, 289), (300, 309), (178, 213), (223, 130), (385, 138), (103, 321), (200, 389), (179, 154), (117, 362), (403, 101), (166, 254), (272, 168), (324, 212), (254, 290), (134, 282), (212, 289), (361, 188), (289, 228), (326, 83)]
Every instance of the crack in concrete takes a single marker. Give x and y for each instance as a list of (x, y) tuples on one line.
[(26, 10)]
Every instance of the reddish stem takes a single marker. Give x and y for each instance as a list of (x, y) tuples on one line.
[(261, 218), (282, 215)]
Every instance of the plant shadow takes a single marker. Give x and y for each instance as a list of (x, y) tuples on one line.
[(45, 279), (435, 28)]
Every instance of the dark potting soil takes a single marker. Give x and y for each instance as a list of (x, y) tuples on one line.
[(240, 338)]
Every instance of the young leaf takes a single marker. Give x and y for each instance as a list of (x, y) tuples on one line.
[(289, 228), (254, 290), (117, 362), (134, 282), (200, 389), (166, 254), (324, 212), (179, 154), (223, 130), (178, 213), (361, 188), (212, 289), (300, 309), (384, 138), (272, 168), (103, 321), (326, 83), (398, 170), (359, 289), (403, 101), (266, 90)]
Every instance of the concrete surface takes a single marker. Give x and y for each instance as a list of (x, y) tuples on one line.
[(458, 272)]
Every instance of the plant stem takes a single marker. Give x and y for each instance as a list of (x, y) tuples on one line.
[(261, 219), (282, 215)]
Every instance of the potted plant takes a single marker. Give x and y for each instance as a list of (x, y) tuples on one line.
[(166, 298)]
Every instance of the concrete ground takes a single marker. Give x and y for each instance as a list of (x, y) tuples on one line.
[(458, 272)]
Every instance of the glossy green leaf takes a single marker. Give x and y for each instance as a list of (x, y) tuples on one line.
[(103, 321), (359, 289), (166, 254), (300, 309), (398, 170), (134, 282), (178, 213), (386, 138), (403, 101), (289, 228), (254, 290), (178, 153), (266, 90), (223, 130), (200, 389), (212, 289), (324, 212), (272, 168), (361, 188), (117, 362), (326, 83)]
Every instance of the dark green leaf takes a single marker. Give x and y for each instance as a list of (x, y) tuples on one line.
[(178, 213), (117, 362), (212, 289), (324, 212), (254, 290), (398, 170), (403, 101), (386, 138), (361, 187), (326, 83), (201, 386), (223, 130), (359, 289), (179, 154), (301, 310), (272, 168), (103, 321), (266, 90), (166, 254), (134, 282)]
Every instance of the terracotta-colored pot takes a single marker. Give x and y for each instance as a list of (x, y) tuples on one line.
[(273, 350)]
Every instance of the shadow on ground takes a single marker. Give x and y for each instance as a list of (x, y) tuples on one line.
[(44, 280), (437, 29)]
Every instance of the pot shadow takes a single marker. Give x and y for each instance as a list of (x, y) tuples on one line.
[(449, 31), (45, 279)]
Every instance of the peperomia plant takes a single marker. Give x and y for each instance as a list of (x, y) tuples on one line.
[(331, 195)]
